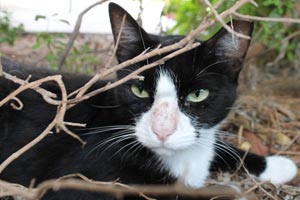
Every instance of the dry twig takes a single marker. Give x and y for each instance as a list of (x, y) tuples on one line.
[(75, 33), (115, 189)]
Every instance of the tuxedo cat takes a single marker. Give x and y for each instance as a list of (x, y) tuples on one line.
[(161, 130)]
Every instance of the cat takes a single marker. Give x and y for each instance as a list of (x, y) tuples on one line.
[(161, 130)]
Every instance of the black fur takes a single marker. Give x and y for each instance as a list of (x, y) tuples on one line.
[(59, 154)]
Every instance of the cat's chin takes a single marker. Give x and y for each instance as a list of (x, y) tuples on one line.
[(167, 151), (161, 151)]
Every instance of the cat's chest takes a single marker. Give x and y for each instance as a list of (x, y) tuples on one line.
[(191, 167)]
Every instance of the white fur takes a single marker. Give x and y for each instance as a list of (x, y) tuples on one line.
[(228, 45), (278, 170), (183, 154), (191, 165)]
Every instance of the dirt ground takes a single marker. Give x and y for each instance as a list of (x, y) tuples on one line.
[(265, 119)]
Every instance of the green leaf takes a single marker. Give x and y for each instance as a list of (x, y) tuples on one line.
[(64, 21), (38, 17)]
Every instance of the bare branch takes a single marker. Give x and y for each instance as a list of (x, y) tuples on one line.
[(116, 189), (75, 34), (134, 74), (24, 86), (266, 19), (47, 95), (228, 28)]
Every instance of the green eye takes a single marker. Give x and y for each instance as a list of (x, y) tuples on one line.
[(197, 95), (139, 91)]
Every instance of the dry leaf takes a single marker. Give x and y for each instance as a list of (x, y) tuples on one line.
[(246, 146), (257, 146), (282, 139)]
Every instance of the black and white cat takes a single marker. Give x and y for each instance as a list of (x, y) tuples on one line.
[(160, 130)]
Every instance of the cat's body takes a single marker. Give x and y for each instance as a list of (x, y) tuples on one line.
[(158, 131)]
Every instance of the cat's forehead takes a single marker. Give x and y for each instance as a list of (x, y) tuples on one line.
[(184, 67)]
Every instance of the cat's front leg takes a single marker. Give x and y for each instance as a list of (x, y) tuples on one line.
[(276, 169)]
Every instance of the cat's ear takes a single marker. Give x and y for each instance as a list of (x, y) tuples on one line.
[(227, 46), (133, 39)]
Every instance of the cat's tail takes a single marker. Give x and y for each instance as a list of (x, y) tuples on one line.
[(276, 169)]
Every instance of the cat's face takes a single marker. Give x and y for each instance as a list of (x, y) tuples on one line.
[(179, 104)]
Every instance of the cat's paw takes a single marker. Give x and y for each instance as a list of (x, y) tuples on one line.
[(278, 170)]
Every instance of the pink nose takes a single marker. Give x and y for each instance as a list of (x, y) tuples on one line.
[(164, 119)]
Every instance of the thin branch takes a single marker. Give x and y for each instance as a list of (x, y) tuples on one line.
[(267, 19), (83, 90), (75, 34), (1, 67), (133, 74), (57, 121), (59, 116), (24, 85), (115, 189), (19, 102), (47, 95), (28, 146), (283, 49), (220, 19)]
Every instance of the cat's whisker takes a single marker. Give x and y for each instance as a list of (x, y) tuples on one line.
[(205, 74), (226, 135), (107, 127), (211, 65), (135, 115), (121, 134), (118, 138), (123, 147), (205, 144), (184, 143), (138, 149), (108, 106), (222, 147), (136, 145), (230, 151), (103, 131)]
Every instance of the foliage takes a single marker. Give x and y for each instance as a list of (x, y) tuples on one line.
[(78, 58), (8, 33), (189, 13)]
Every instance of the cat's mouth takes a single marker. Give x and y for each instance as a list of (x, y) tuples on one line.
[(167, 148), (165, 151)]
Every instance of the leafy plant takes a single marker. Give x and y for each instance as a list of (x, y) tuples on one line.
[(189, 13), (79, 57), (8, 33), (54, 44)]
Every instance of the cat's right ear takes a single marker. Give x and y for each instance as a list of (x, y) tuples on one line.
[(133, 39)]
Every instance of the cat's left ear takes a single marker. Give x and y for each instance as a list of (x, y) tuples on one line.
[(227, 46)]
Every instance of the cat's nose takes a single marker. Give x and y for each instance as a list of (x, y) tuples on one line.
[(164, 119)]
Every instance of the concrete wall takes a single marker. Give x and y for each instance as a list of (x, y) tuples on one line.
[(95, 21)]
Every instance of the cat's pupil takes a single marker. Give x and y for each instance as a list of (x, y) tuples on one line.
[(197, 93), (140, 87)]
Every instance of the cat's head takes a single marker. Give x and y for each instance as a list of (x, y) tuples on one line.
[(179, 104)]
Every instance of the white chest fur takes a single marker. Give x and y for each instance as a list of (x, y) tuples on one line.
[(191, 166)]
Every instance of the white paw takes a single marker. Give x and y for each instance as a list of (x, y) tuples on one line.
[(278, 170)]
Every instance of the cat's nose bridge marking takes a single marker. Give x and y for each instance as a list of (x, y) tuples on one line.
[(164, 119)]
